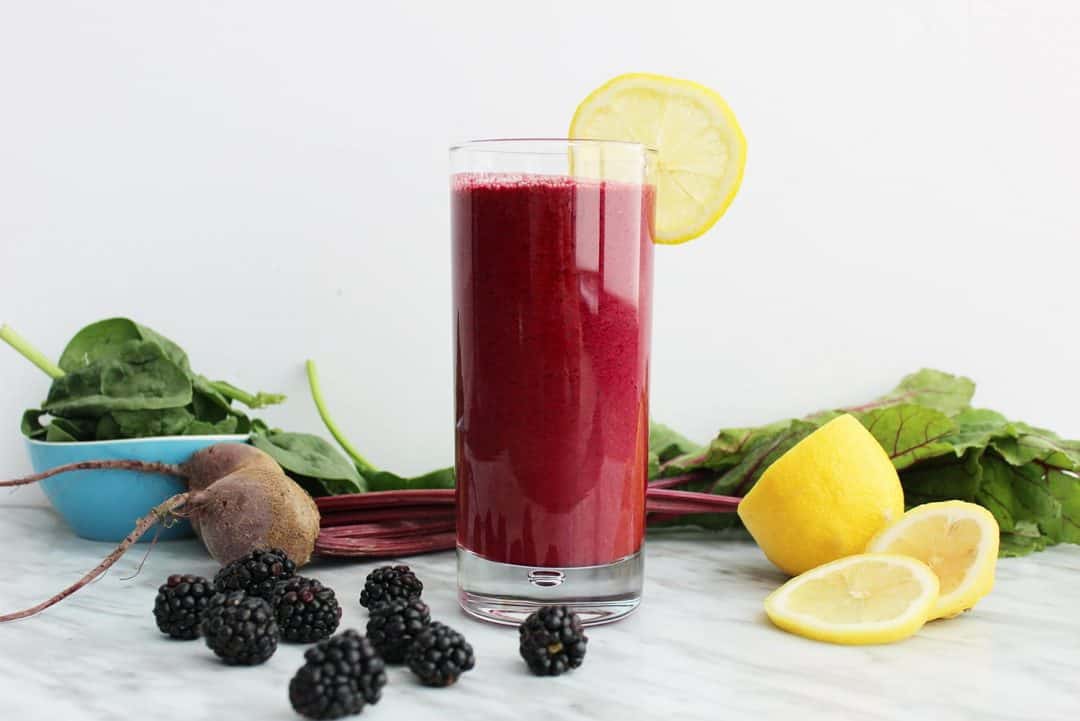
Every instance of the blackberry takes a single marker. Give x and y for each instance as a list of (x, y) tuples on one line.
[(392, 627), (386, 583), (439, 654), (256, 573), (552, 641), (240, 628), (306, 611), (338, 677), (179, 605)]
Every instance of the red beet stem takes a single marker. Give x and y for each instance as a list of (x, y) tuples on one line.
[(389, 529), (159, 514), (386, 499), (403, 523), (168, 469), (673, 481), (364, 548), (666, 501), (405, 513)]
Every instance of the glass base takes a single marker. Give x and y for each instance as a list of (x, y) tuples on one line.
[(507, 593)]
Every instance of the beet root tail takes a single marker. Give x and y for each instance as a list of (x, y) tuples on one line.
[(168, 469), (160, 513)]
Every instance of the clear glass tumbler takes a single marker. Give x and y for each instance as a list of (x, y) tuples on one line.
[(552, 284)]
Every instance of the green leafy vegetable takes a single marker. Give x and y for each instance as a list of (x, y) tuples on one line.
[(31, 424), (386, 481), (311, 457), (138, 376), (927, 388), (251, 400), (909, 432), (106, 339), (944, 449), (119, 379)]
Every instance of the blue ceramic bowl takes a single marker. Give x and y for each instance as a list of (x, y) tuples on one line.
[(104, 505)]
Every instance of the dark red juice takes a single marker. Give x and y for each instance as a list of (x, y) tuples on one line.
[(552, 313)]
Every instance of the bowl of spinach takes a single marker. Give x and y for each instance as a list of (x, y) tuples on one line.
[(122, 391)]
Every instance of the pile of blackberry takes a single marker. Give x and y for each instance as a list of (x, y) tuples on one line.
[(400, 628), (252, 603), (258, 600)]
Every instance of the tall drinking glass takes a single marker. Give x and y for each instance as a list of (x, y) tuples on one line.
[(552, 284)]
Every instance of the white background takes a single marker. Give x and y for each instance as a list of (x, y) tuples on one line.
[(266, 182)]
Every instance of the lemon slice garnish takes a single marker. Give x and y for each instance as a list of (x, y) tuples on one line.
[(701, 151), (958, 540), (867, 598)]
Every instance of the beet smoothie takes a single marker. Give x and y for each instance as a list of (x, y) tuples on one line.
[(552, 308)]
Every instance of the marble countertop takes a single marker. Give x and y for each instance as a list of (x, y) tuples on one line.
[(699, 647)]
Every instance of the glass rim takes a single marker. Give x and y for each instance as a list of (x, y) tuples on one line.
[(491, 145)]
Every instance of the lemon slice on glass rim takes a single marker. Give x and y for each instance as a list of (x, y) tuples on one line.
[(701, 151), (867, 598)]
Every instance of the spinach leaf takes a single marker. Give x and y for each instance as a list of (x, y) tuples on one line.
[(306, 455), (71, 429), (139, 377), (207, 404), (387, 481), (145, 424), (105, 340), (31, 424), (226, 426), (56, 433)]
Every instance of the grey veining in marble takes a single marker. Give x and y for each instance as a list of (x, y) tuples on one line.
[(699, 648)]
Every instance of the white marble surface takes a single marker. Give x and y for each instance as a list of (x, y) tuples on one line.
[(699, 648)]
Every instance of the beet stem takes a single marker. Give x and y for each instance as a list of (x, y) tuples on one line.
[(168, 469), (159, 514), (673, 481)]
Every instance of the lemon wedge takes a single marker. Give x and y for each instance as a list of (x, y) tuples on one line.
[(867, 598), (701, 151), (957, 540)]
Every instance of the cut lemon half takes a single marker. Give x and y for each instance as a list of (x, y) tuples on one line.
[(824, 499), (957, 540), (701, 151), (868, 598)]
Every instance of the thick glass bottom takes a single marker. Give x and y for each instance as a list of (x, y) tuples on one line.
[(507, 593)]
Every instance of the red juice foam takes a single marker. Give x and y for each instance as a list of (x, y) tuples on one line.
[(552, 282)]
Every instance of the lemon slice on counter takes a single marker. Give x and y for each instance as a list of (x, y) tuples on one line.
[(868, 598), (957, 540), (701, 151)]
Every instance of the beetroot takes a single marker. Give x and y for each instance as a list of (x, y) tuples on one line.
[(238, 500)]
